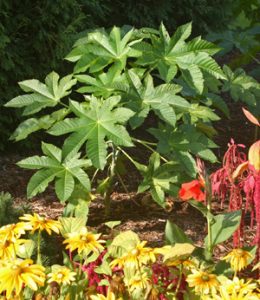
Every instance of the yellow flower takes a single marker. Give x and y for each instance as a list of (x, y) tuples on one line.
[(136, 257), (203, 282), (12, 232), (18, 273), (84, 241), (62, 275), (140, 281), (110, 296), (41, 223), (238, 259), (9, 249), (236, 289)]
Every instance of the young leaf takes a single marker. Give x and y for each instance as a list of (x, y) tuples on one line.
[(224, 226), (157, 178), (174, 234)]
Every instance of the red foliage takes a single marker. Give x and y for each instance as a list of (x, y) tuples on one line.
[(237, 180)]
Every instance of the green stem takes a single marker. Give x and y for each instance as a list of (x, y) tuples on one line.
[(39, 260), (144, 142), (179, 281), (111, 180), (122, 183), (140, 272), (94, 176), (146, 145), (209, 216), (128, 156)]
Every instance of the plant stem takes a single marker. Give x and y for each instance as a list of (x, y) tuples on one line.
[(128, 156), (179, 281), (209, 217), (122, 183), (146, 145), (39, 260), (111, 180)]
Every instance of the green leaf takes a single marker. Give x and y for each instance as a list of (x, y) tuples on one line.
[(96, 123), (193, 76), (157, 178), (225, 225), (112, 224), (52, 151), (35, 85), (174, 234), (25, 250), (161, 99), (39, 181), (188, 162), (202, 208), (38, 162), (53, 167), (64, 186), (25, 100), (42, 95), (70, 225), (123, 243), (178, 251)]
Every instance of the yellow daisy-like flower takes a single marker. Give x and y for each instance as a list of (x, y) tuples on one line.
[(140, 281), (238, 259), (9, 249), (19, 273), (84, 241), (110, 296), (12, 232), (41, 223), (138, 256), (62, 275), (203, 282), (236, 289)]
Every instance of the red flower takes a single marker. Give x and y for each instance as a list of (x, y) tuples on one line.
[(192, 190)]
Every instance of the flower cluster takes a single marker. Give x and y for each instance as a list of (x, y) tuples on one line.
[(123, 267)]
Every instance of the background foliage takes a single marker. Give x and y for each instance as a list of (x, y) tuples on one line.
[(34, 38)]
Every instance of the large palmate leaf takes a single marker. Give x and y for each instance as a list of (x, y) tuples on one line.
[(168, 54), (180, 146), (95, 123), (143, 97), (99, 49), (157, 178), (42, 95), (51, 167)]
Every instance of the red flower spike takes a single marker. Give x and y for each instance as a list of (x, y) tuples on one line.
[(192, 190)]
